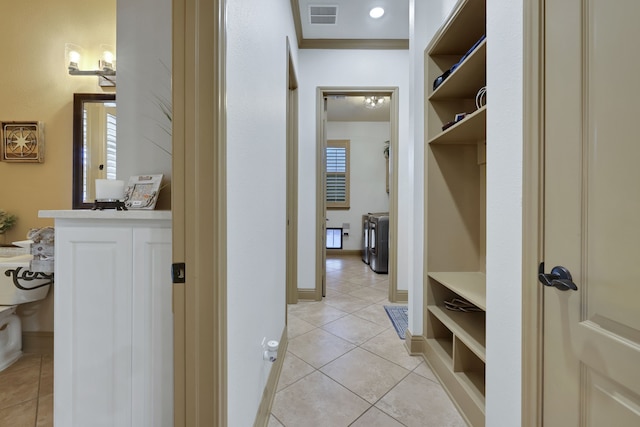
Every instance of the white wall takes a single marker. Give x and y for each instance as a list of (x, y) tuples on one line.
[(347, 68), (505, 37), (256, 199), (366, 173), (143, 57)]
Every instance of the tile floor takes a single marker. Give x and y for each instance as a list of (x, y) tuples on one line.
[(346, 366), (26, 392)]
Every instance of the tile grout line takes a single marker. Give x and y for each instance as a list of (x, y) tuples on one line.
[(35, 422)]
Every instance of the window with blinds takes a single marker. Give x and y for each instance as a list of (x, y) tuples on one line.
[(111, 146), (337, 174)]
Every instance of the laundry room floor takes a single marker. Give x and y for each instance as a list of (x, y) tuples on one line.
[(346, 366)]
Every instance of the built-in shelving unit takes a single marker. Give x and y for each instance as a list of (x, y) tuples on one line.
[(455, 188)]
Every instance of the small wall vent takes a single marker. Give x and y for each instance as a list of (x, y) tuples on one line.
[(323, 14)]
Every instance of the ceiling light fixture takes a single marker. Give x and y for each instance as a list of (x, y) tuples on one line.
[(373, 101), (376, 12)]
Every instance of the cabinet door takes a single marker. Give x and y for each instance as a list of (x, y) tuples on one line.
[(152, 328), (92, 318)]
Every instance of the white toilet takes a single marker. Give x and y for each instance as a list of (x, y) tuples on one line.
[(10, 297)]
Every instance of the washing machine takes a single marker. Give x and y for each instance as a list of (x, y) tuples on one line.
[(379, 243), (365, 238)]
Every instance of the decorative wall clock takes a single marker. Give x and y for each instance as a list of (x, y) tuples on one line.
[(22, 142)]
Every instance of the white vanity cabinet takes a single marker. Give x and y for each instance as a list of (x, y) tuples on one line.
[(113, 322)]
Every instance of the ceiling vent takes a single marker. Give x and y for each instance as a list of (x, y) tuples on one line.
[(323, 14)]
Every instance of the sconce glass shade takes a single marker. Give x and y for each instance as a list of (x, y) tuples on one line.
[(107, 58), (73, 54)]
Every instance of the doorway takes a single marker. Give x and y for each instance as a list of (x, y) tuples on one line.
[(322, 96)]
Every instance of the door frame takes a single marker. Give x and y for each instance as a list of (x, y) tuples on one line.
[(321, 93), (292, 180), (533, 212), (199, 209)]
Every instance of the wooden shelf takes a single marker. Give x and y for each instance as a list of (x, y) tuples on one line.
[(455, 209), (469, 130), (467, 79), (473, 382), (467, 21), (468, 327), (444, 350), (469, 285)]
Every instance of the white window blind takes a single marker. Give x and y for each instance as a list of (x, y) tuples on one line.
[(337, 174), (111, 146)]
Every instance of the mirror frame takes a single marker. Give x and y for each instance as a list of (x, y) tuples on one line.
[(78, 104)]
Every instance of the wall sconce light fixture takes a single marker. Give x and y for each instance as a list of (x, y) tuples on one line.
[(106, 71)]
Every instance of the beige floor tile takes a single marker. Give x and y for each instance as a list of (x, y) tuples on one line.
[(317, 400), (318, 314), (344, 287), (366, 279), (45, 411), (273, 422), (24, 379), (296, 326), (26, 361), (364, 373), (374, 417), (353, 329), (388, 346), (293, 368), (345, 302), (319, 347), (20, 415), (424, 370), (379, 369), (370, 294), (417, 401), (374, 313), (381, 285), (301, 306), (46, 375)]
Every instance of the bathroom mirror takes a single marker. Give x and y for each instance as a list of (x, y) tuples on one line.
[(94, 144)]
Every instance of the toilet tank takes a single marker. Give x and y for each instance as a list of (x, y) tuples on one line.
[(17, 268)]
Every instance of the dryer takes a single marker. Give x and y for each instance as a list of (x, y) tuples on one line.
[(365, 238), (379, 243)]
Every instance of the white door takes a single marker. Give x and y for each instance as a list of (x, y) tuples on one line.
[(592, 213)]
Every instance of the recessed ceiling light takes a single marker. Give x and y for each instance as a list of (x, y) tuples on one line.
[(376, 12)]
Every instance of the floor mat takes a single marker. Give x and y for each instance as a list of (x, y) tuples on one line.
[(399, 318)]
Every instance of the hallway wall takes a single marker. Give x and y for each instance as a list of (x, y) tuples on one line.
[(347, 68), (144, 84), (505, 83), (256, 198)]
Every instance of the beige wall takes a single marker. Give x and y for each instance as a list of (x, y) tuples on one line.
[(34, 86)]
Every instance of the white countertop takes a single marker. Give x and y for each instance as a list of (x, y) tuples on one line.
[(132, 214)]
